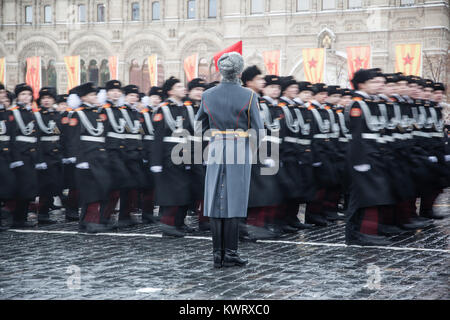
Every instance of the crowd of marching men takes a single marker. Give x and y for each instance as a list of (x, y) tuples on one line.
[(370, 153)]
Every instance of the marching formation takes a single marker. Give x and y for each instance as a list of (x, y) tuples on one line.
[(370, 152)]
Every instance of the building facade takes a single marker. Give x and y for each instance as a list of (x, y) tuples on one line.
[(175, 29)]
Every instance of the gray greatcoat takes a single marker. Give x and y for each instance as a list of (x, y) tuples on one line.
[(228, 106)]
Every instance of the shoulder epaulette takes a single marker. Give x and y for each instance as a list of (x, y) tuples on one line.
[(357, 99), (108, 105), (14, 108), (281, 104), (164, 104), (188, 103)]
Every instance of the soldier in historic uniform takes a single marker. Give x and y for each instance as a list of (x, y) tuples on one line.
[(370, 188), (8, 184), (228, 107), (148, 195), (323, 153), (70, 199), (265, 196), (50, 179), (115, 128), (266, 189), (173, 179), (438, 98), (196, 87), (86, 130), (129, 198), (295, 154), (434, 126), (24, 160), (333, 194)]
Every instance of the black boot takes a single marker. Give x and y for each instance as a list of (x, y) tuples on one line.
[(431, 214), (218, 243), (72, 214), (231, 237)]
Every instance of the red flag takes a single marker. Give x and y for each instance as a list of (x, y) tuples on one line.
[(33, 77), (237, 47)]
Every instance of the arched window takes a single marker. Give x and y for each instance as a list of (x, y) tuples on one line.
[(83, 71), (191, 9), (135, 11), (93, 72), (155, 10), (104, 72), (51, 77), (101, 13), (135, 73)]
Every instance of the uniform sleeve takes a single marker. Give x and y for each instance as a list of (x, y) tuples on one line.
[(256, 122), (201, 122), (72, 131), (157, 148), (356, 126)]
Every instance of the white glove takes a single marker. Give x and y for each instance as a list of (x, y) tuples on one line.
[(432, 159), (40, 166), (156, 169), (69, 160), (299, 162), (317, 164), (83, 165), (447, 157), (187, 168), (144, 161), (16, 164), (269, 162), (362, 167)]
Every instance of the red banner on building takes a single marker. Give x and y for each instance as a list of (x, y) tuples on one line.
[(408, 59), (191, 67), (73, 71), (237, 47), (33, 77), (314, 64), (3, 71), (272, 61), (358, 58), (153, 69), (113, 67)]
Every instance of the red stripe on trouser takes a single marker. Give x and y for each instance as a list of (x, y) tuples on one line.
[(168, 215), (426, 202), (72, 199), (369, 221), (92, 213), (387, 215), (331, 200), (112, 202), (199, 208), (147, 201), (316, 205)]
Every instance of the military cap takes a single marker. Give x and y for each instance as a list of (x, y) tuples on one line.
[(196, 83), (129, 89), (113, 84), (250, 73), (272, 80), (155, 91)]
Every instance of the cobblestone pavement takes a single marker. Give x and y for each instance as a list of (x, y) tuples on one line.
[(137, 263)]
